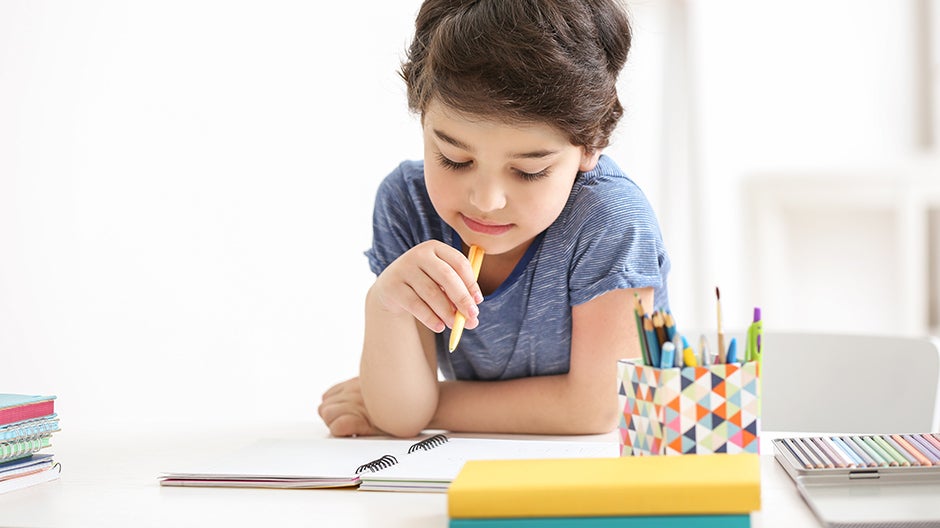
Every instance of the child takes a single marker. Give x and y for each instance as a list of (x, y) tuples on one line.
[(517, 100)]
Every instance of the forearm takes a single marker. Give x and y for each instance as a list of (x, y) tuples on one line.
[(558, 404), (582, 401), (399, 385)]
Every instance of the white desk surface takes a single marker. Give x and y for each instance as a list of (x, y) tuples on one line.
[(111, 480)]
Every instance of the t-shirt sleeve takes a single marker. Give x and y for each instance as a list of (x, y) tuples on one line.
[(618, 245), (403, 216), (389, 236)]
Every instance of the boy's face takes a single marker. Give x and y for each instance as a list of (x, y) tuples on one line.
[(497, 185)]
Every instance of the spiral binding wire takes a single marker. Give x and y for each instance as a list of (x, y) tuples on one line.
[(388, 460), (29, 429), (429, 443), (21, 446), (23, 439), (377, 464)]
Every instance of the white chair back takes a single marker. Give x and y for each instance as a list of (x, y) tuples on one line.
[(849, 383)]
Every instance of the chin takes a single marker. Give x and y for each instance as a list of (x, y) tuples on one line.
[(499, 247), (495, 245)]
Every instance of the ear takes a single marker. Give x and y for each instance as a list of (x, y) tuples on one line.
[(589, 159)]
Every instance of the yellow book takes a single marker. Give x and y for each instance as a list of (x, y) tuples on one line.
[(656, 485)]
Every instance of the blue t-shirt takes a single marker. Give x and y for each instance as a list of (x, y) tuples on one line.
[(606, 237)]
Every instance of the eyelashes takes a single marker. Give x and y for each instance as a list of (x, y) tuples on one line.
[(533, 176), (450, 164)]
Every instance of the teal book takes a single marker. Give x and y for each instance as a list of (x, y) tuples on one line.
[(631, 521)]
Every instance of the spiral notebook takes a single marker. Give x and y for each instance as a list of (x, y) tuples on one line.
[(372, 464)]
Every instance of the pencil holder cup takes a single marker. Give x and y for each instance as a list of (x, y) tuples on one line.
[(690, 410)]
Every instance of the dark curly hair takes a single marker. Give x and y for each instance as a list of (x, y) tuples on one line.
[(523, 61)]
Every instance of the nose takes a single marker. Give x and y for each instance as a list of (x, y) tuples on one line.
[(487, 194)]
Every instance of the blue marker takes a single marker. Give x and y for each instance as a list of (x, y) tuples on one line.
[(668, 355), (732, 356)]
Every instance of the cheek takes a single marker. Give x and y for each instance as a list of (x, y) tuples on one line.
[(553, 209), (557, 196), (542, 206), (440, 190)]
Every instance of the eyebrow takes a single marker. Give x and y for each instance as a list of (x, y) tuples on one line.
[(535, 154)]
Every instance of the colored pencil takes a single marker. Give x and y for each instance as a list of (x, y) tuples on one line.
[(641, 335), (476, 260)]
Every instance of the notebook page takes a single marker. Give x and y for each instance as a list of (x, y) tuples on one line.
[(325, 458), (443, 462)]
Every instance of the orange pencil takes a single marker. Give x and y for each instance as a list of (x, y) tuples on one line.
[(476, 260)]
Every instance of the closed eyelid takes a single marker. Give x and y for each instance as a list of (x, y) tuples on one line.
[(534, 154), (451, 164), (533, 176), (448, 163)]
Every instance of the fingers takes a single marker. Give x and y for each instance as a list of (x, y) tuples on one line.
[(351, 425), (344, 412), (462, 288), (427, 299), (432, 281), (344, 419), (350, 385), (446, 290)]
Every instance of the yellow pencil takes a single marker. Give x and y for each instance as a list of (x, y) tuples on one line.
[(476, 260)]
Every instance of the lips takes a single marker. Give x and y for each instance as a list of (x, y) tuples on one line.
[(484, 227)]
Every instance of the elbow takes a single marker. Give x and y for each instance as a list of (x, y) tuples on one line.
[(401, 428), (600, 417), (604, 420), (399, 411), (401, 420)]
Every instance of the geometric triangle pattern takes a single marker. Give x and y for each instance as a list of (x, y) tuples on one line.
[(690, 410)]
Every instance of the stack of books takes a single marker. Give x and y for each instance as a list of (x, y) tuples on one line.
[(26, 427), (689, 491)]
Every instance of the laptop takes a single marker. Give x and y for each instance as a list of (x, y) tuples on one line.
[(866, 481)]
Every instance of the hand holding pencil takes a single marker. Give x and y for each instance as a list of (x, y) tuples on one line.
[(427, 284), (476, 260)]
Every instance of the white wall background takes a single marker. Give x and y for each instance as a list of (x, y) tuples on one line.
[(186, 186)]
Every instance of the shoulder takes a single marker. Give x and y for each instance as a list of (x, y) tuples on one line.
[(407, 179), (402, 197), (403, 215), (605, 196), (610, 235)]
